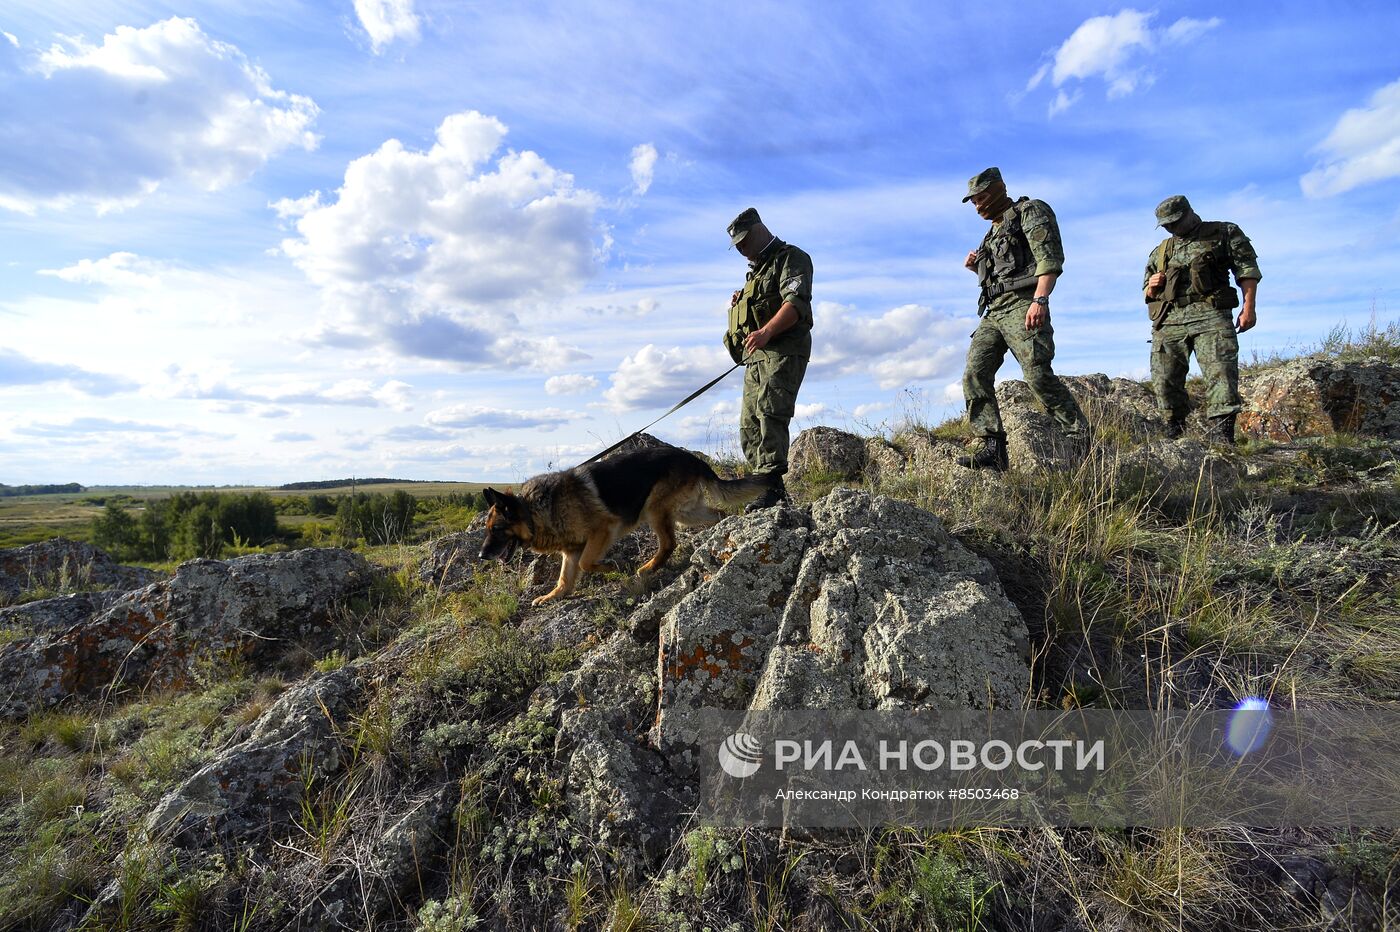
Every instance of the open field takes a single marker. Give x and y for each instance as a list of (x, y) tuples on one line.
[(25, 519)]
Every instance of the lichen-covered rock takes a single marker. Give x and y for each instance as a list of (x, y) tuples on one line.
[(1173, 465), (65, 564), (256, 785), (154, 637), (1123, 405), (57, 614), (1317, 397), (617, 782), (724, 610), (827, 451), (390, 870), (1033, 439), (854, 602), (448, 565), (924, 465)]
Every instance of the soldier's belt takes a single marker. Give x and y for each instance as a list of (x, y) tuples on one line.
[(997, 289)]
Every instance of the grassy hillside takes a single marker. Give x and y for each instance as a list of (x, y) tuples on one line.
[(1283, 583)]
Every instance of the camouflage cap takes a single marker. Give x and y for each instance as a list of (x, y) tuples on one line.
[(739, 227), (982, 181), (1172, 209)]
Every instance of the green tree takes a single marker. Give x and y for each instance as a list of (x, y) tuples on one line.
[(115, 531), (199, 533), (154, 532)]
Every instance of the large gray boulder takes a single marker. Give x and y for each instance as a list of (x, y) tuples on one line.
[(58, 613), (256, 785), (61, 564), (1314, 396), (1180, 465), (854, 602), (1033, 440), (828, 452), (155, 637)]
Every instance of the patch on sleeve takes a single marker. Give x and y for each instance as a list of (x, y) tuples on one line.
[(793, 284)]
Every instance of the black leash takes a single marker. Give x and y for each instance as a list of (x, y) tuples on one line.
[(687, 400)]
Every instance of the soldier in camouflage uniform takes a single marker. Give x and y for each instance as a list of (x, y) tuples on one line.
[(1017, 265), (770, 332), (1189, 298)]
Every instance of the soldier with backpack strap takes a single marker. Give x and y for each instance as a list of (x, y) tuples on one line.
[(1189, 300), (1017, 265)]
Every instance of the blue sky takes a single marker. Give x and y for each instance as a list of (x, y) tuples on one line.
[(257, 242)]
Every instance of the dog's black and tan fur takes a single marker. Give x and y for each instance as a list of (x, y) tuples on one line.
[(580, 512)]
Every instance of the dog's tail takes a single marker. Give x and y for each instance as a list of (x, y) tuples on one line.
[(730, 492)]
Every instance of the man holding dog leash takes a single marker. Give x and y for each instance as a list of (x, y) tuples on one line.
[(770, 333)]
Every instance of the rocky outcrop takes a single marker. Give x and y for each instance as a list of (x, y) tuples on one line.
[(57, 614), (154, 637), (256, 785), (1317, 397), (853, 602), (1182, 464), (65, 564), (826, 451), (449, 563), (1123, 406)]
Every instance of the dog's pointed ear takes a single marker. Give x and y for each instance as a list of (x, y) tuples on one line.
[(493, 498)]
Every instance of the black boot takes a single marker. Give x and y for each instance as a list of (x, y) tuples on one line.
[(1222, 429), (1176, 426), (775, 493), (991, 456)]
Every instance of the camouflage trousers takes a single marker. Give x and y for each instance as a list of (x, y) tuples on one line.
[(771, 382), (1002, 329), (1211, 336)]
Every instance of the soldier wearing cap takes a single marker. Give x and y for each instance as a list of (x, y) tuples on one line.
[(770, 332), (1189, 299), (1017, 265)]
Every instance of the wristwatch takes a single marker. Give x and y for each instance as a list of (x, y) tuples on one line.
[(1043, 300)]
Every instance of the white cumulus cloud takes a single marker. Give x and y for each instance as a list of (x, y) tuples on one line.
[(643, 167), (570, 384), (910, 343), (387, 20), (430, 254), (108, 124), (1115, 48), (1363, 147), (462, 416), (654, 377), (118, 270)]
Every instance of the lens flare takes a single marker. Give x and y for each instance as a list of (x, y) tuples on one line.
[(1250, 725)]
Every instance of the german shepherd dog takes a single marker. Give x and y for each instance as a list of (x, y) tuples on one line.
[(581, 512)]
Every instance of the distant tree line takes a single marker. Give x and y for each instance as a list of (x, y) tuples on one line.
[(206, 524), (6, 491), (186, 525), (333, 484)]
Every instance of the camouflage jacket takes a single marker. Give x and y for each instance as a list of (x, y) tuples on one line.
[(1198, 266), (782, 274), (1025, 240)]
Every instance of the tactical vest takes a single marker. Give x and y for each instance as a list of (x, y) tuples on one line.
[(1004, 260), (757, 307), (1203, 280)]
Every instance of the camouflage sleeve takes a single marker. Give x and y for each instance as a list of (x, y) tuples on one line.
[(795, 282), (1242, 258), (1154, 263), (1043, 235)]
